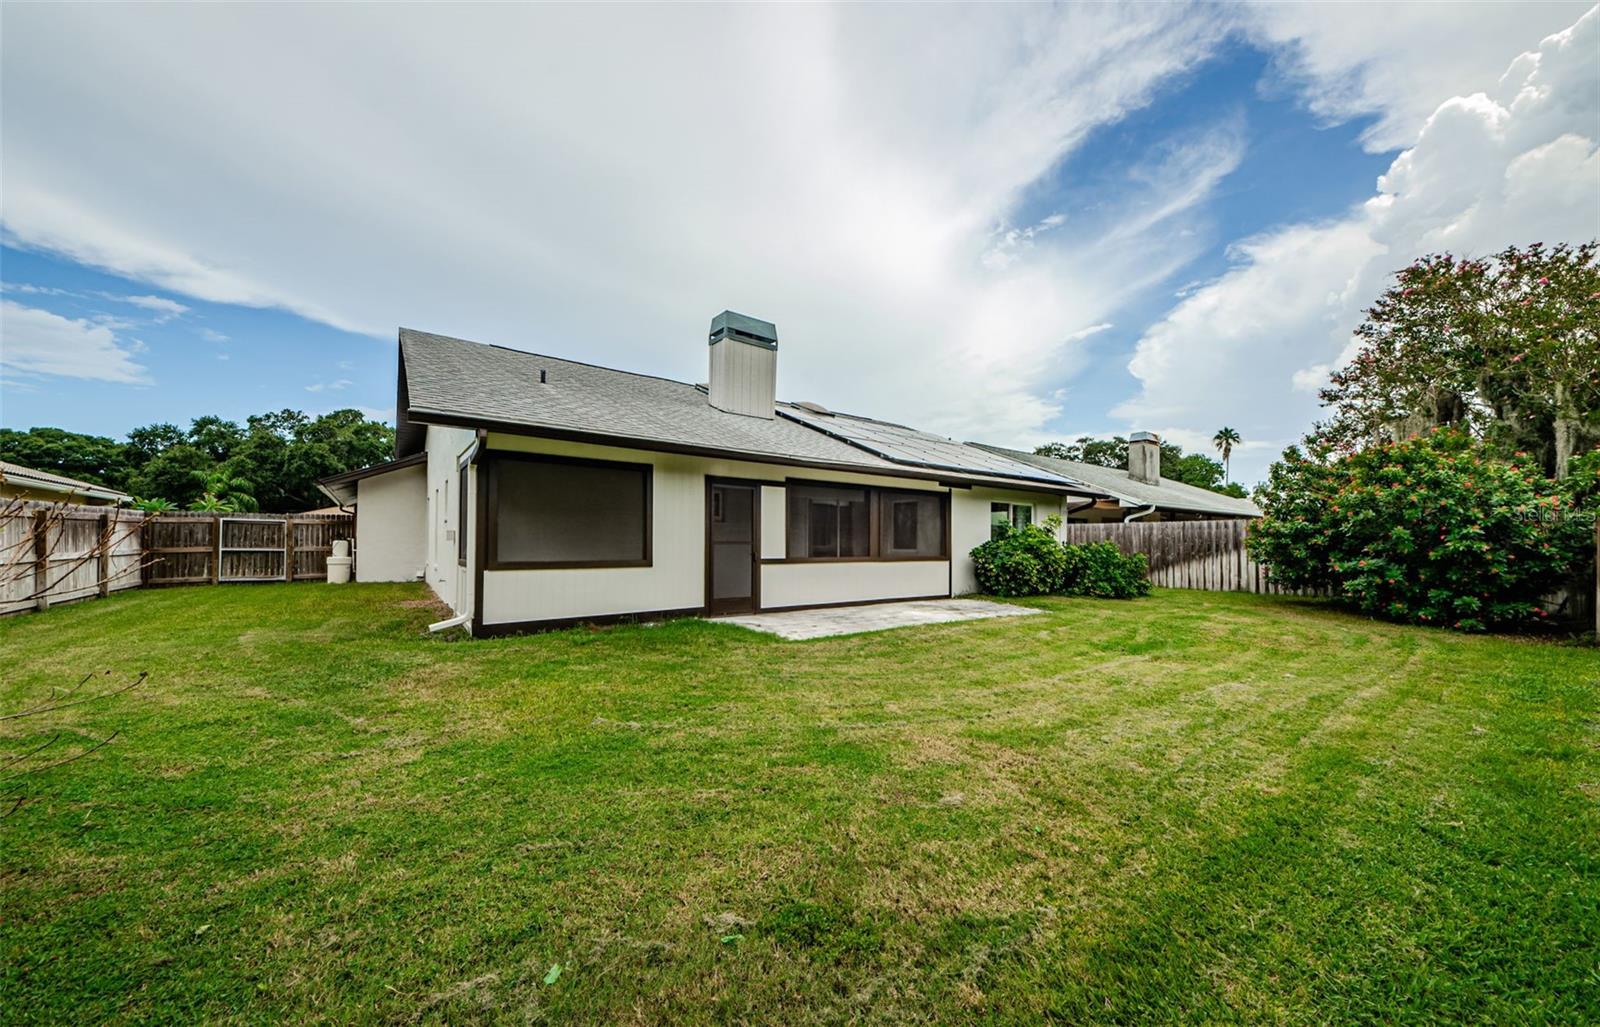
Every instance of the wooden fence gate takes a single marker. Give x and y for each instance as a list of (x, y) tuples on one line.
[(205, 548)]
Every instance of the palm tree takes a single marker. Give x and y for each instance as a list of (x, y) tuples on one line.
[(1225, 439)]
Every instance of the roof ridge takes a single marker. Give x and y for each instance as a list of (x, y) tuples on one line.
[(546, 356)]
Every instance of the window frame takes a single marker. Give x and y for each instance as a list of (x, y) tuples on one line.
[(1011, 514), (491, 467), (880, 500)]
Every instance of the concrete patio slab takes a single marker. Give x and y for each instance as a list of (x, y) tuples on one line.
[(853, 620)]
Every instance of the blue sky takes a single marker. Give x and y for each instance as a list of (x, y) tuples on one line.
[(1007, 224)]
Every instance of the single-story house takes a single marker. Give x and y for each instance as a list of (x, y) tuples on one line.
[(532, 491), (1136, 492), (18, 482)]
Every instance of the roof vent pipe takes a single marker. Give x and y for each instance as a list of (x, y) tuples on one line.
[(744, 365)]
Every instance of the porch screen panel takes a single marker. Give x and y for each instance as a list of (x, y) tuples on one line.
[(569, 514), (912, 524), (827, 522)]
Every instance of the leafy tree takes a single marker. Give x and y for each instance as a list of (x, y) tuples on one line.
[(91, 458), (1225, 439), (225, 494), (214, 437), (1194, 469), (1432, 530), (274, 459), (1507, 347), (145, 443), (176, 473)]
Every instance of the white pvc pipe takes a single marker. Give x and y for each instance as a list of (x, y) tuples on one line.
[(453, 622)]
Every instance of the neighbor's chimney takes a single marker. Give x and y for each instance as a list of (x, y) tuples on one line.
[(744, 364), (1144, 457)]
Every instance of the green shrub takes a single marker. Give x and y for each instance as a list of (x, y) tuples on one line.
[(1026, 561), (1427, 531), (1102, 570)]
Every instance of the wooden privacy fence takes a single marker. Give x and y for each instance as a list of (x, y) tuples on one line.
[(207, 548), (56, 553), (1207, 555)]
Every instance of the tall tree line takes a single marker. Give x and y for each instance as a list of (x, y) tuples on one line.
[(274, 459)]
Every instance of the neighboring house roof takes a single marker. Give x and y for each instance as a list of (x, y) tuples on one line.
[(457, 382), (341, 488), (44, 481), (1169, 495)]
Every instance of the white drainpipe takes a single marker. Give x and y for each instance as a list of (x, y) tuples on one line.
[(453, 622), (1147, 511)]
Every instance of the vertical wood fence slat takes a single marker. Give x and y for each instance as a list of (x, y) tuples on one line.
[(53, 553), (1205, 555)]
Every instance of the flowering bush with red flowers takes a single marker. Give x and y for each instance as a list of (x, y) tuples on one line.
[(1427, 531)]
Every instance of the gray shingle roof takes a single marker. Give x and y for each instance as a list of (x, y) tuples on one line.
[(49, 481), (1170, 495), (453, 381), (916, 448)]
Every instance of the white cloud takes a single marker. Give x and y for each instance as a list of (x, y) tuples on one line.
[(820, 166), (38, 342), (336, 386), (164, 308), (211, 335), (1396, 61), (1516, 163)]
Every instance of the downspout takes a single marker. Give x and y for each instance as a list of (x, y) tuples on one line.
[(1147, 511), (453, 622)]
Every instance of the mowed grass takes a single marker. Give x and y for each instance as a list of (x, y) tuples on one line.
[(1194, 807)]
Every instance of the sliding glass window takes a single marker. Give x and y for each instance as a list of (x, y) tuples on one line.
[(833, 522)]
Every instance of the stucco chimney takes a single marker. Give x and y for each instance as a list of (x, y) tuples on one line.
[(744, 364), (1144, 457)]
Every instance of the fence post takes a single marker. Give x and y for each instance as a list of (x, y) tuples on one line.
[(41, 560), (104, 546), (288, 549), (216, 549)]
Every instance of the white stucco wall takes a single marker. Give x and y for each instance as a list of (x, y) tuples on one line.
[(969, 524), (449, 581), (811, 584), (676, 578), (391, 525)]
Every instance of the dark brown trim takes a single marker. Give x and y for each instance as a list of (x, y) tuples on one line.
[(660, 446), (346, 477), (492, 539), (480, 539), (526, 627), (755, 540), (875, 494), (851, 602), (768, 561)]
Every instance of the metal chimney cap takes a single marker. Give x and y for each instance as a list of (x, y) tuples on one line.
[(1144, 436), (743, 327)]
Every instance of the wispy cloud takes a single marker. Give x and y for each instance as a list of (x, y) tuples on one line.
[(39, 342), (334, 386), (165, 309)]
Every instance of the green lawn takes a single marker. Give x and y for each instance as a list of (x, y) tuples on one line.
[(1193, 807)]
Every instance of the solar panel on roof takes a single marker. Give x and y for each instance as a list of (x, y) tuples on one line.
[(917, 448)]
